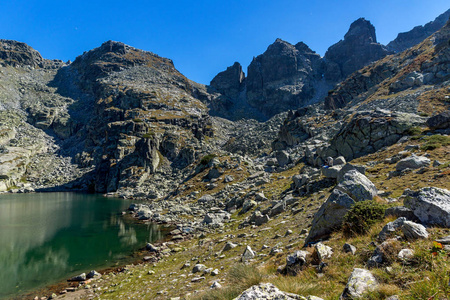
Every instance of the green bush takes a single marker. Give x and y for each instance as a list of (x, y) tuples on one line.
[(361, 216), (207, 158), (137, 120), (414, 131)]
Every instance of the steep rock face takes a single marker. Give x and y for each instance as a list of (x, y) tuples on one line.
[(14, 53), (283, 77), (229, 82), (411, 81), (416, 35), (358, 49)]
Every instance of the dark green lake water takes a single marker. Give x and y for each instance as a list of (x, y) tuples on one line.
[(48, 237)]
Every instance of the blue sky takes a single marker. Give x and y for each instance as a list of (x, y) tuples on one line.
[(202, 37)]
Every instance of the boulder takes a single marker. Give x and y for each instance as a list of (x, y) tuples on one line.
[(400, 211), (405, 254), (264, 291), (431, 205), (93, 274), (81, 277), (248, 204), (248, 254), (390, 228), (412, 162), (258, 218), (331, 172), (349, 248), (199, 268), (414, 231), (300, 180), (229, 246), (357, 186), (297, 258), (330, 215), (440, 121), (205, 199), (360, 281), (321, 252), (282, 157)]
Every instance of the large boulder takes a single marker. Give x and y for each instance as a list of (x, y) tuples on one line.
[(440, 121), (360, 282), (265, 291), (354, 187), (412, 162), (367, 132), (414, 231), (431, 205)]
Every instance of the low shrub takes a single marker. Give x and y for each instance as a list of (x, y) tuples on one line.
[(362, 216), (207, 158)]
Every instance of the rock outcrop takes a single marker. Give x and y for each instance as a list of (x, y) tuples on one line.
[(283, 77), (430, 204), (416, 35), (358, 48), (229, 82)]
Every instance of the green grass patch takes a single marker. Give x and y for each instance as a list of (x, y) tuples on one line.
[(435, 141)]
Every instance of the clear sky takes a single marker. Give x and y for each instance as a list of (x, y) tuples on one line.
[(202, 37)]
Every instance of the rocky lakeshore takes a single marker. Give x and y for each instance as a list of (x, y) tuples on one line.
[(340, 190)]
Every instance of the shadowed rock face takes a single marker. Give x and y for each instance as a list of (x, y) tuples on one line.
[(229, 82), (416, 35), (358, 49), (283, 77)]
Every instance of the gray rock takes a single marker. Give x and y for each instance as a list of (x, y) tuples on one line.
[(331, 172), (360, 281), (248, 205), (390, 228), (228, 178), (357, 186), (93, 274), (151, 248), (205, 199), (400, 211), (405, 254), (431, 205), (412, 162), (258, 218), (330, 215), (440, 121), (297, 258), (81, 277), (229, 82), (321, 252), (282, 157), (199, 268), (300, 180), (347, 167), (349, 248), (413, 231), (248, 254), (444, 240), (216, 285), (340, 160), (229, 246), (264, 291)]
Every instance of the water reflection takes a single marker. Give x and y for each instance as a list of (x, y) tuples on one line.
[(48, 237)]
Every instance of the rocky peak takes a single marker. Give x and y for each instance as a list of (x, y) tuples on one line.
[(15, 53), (358, 49), (230, 81), (416, 35), (361, 30), (114, 56)]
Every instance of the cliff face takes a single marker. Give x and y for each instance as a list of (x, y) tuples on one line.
[(283, 77), (115, 117), (358, 49), (408, 81), (416, 35)]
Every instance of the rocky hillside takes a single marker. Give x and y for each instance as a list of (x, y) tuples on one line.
[(416, 35)]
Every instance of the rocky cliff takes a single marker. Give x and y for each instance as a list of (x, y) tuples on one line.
[(416, 35), (358, 48)]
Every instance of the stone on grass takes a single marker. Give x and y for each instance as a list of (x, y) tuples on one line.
[(349, 248), (390, 228), (264, 291), (297, 258), (199, 268), (431, 205), (405, 254), (216, 285), (321, 252), (248, 204), (229, 246), (360, 281), (414, 231), (81, 277), (93, 274), (248, 254), (412, 162)]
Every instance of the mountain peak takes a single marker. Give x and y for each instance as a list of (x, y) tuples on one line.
[(361, 30), (15, 53)]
